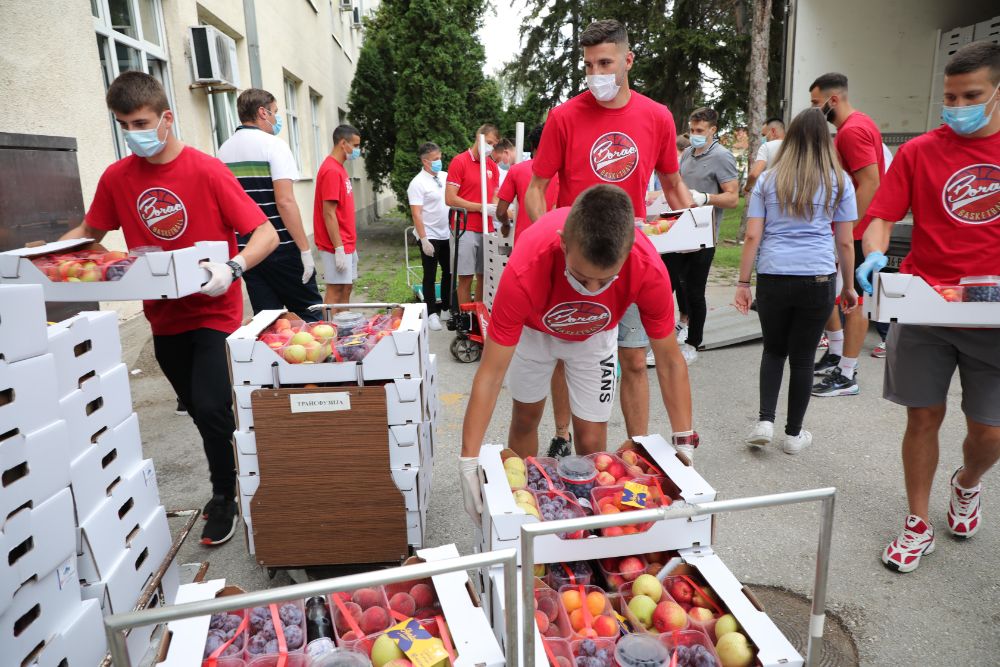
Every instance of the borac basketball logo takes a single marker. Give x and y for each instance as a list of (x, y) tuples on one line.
[(577, 318), (347, 186), (614, 157), (163, 213), (972, 194)]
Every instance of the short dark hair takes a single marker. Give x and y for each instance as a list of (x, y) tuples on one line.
[(249, 101), (486, 129), (534, 138), (427, 148), (830, 81), (683, 143), (131, 91), (344, 132), (774, 121), (974, 56), (504, 144), (601, 223), (603, 32), (710, 116)]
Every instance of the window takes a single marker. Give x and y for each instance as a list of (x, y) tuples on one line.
[(222, 112), (130, 38), (319, 146), (291, 93)]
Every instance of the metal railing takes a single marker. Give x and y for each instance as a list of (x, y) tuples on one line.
[(116, 625), (826, 496)]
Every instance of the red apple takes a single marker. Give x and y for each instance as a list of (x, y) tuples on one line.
[(700, 615), (669, 617), (681, 591), (616, 469), (631, 568), (703, 598)]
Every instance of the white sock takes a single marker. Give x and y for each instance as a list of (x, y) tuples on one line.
[(847, 366), (836, 339)]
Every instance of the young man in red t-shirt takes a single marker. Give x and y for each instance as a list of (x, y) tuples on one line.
[(611, 134), (170, 196), (859, 147), (464, 190), (567, 285), (333, 216), (950, 179), (515, 188)]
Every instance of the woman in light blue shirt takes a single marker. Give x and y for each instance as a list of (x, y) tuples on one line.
[(790, 212)]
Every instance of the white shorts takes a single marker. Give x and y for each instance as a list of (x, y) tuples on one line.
[(590, 371), (331, 276)]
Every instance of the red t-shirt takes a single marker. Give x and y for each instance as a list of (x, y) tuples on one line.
[(859, 144), (952, 185), (194, 197), (463, 172), (516, 187), (587, 144), (334, 184), (534, 291)]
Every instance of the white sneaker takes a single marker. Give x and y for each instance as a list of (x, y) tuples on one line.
[(434, 322), (690, 354), (762, 434), (796, 443), (650, 360), (682, 332), (686, 450)]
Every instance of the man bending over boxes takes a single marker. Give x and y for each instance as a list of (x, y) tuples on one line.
[(568, 283), (169, 195)]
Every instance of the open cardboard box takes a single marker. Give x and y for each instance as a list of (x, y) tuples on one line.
[(495, 592), (29, 398), (22, 322), (83, 345), (114, 452), (80, 643), (168, 274), (35, 467), (908, 299), (692, 228), (184, 640)]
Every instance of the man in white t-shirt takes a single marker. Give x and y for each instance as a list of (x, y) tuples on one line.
[(772, 133), (264, 166), (430, 225)]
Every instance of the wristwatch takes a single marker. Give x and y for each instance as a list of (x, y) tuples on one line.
[(237, 269)]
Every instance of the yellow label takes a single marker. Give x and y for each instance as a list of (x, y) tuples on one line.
[(421, 647), (635, 495)]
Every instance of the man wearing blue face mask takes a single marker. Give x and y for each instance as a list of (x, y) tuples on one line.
[(430, 225), (950, 179), (265, 168), (334, 216)]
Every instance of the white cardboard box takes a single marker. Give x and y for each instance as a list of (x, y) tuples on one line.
[(28, 394), (80, 644), (102, 402), (470, 629), (115, 452), (497, 606), (497, 255), (773, 649), (908, 299), (168, 274), (105, 535), (400, 354), (84, 345), (409, 444), (22, 322), (34, 542), (693, 230), (502, 519), (35, 466), (187, 635)]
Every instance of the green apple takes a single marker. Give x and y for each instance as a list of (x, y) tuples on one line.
[(648, 585), (642, 607), (302, 338), (295, 354), (384, 650), (734, 650), (727, 623)]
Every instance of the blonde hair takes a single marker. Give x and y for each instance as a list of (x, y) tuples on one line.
[(805, 163)]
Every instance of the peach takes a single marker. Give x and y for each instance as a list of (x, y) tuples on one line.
[(605, 479), (605, 626), (630, 457), (631, 568), (577, 620), (341, 620), (366, 597), (629, 530), (613, 531), (348, 636), (563, 661), (596, 602), (610, 509), (398, 662), (542, 621), (669, 616), (374, 619), (634, 471), (571, 600), (423, 595), (425, 612), (282, 324), (603, 461), (548, 606), (616, 469), (403, 603)]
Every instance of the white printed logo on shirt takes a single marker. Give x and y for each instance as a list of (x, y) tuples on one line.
[(614, 156), (577, 318), (347, 185), (972, 194), (162, 212)]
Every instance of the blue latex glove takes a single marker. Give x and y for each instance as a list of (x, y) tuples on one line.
[(874, 261)]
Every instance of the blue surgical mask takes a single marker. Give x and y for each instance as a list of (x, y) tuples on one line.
[(355, 154), (698, 140), (504, 166), (145, 143), (969, 119), (581, 289), (276, 125), (435, 166)]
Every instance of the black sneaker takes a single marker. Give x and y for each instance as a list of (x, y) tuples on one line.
[(181, 409), (210, 504), (835, 384), (560, 447), (223, 515), (826, 363)]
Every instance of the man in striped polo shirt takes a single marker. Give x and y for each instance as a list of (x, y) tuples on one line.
[(265, 168)]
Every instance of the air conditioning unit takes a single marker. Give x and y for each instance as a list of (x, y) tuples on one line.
[(346, 5), (357, 17), (213, 57)]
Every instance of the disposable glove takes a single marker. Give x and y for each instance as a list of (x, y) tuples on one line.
[(340, 259), (468, 469), (220, 276), (491, 210), (686, 442), (874, 261), (308, 266), (427, 246), (700, 198)]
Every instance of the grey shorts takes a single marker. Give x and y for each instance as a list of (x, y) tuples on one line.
[(331, 276), (920, 362), (630, 330), (471, 258)]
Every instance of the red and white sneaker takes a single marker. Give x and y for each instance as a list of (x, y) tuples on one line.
[(917, 539), (964, 509), (824, 343)]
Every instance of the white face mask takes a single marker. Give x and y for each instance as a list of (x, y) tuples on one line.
[(604, 87), (581, 289)]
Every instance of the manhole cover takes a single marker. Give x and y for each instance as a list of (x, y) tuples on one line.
[(790, 612)]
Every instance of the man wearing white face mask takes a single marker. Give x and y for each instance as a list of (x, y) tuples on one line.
[(169, 195), (612, 134), (570, 280), (264, 166)]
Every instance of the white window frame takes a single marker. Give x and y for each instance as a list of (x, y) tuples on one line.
[(291, 114), (228, 124), (319, 153)]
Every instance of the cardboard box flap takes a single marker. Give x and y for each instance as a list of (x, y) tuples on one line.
[(241, 342), (408, 390), (895, 285), (404, 435), (246, 442), (68, 245), (185, 638)]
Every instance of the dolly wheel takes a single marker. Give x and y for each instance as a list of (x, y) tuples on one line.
[(465, 350)]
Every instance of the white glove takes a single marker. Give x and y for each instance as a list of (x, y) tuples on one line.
[(468, 469), (340, 259), (308, 266), (491, 210), (427, 247), (220, 276), (700, 198)]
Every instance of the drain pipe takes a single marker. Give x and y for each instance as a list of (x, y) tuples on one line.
[(253, 43)]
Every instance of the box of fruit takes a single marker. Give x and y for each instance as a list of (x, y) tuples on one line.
[(276, 347), (496, 607), (81, 270), (681, 231), (909, 299), (646, 472)]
